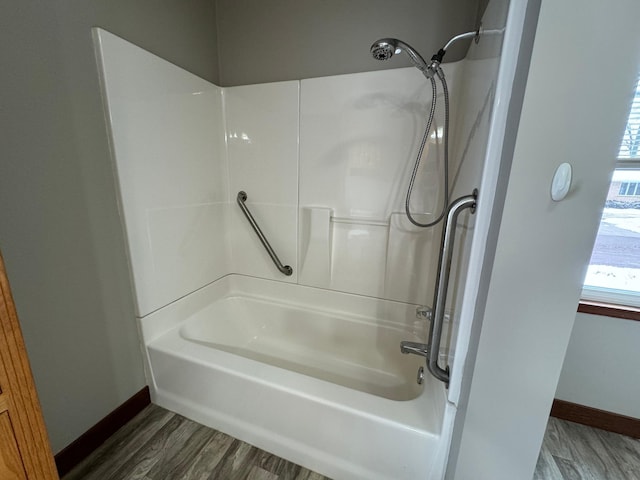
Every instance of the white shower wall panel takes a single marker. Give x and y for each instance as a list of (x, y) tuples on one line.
[(357, 260), (359, 136), (167, 139), (262, 141), (262, 153), (409, 246), (325, 163)]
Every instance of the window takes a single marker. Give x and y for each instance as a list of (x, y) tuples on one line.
[(613, 275), (629, 189)]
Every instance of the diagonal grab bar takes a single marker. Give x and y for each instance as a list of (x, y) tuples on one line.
[(442, 283), (241, 198)]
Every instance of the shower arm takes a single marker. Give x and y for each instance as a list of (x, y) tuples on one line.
[(436, 60), (462, 36)]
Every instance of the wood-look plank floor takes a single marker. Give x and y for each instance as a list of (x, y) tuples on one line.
[(161, 445), (571, 451)]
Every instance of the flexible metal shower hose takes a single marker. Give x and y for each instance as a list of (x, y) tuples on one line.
[(425, 137)]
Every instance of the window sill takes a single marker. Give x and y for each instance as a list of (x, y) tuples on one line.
[(609, 310)]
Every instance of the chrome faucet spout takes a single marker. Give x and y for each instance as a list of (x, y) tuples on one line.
[(416, 348)]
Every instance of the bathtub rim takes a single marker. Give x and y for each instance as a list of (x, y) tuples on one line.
[(169, 319), (234, 284)]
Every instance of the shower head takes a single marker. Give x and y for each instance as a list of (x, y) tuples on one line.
[(385, 48)]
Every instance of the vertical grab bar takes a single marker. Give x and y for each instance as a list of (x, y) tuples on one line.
[(241, 198), (442, 284)]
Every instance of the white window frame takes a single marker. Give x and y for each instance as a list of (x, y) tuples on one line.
[(610, 295)]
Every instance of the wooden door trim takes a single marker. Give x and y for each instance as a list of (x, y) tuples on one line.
[(17, 384)]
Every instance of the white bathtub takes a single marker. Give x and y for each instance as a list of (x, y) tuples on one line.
[(311, 375)]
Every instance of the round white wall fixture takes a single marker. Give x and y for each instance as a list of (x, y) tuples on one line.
[(561, 182)]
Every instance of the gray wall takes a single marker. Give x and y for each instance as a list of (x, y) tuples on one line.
[(60, 230), (291, 39), (600, 369)]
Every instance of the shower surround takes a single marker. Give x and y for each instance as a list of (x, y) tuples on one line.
[(307, 366), (323, 161)]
